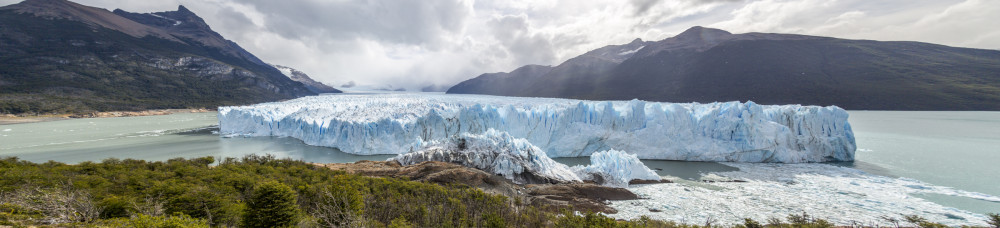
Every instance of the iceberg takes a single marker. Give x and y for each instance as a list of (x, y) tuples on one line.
[(401, 123), (496, 152), (615, 168)]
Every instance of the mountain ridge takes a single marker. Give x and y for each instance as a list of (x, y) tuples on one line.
[(57, 56), (711, 65), (302, 77)]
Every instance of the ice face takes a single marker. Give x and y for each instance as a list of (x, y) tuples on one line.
[(615, 169), (516, 159), (495, 152), (402, 123)]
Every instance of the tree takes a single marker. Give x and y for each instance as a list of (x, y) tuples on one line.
[(272, 204), (994, 220), (750, 223)]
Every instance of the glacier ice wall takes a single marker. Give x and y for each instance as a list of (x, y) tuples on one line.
[(615, 168), (495, 152), (402, 123)]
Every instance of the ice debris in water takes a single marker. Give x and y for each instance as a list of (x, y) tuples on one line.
[(402, 123), (615, 168), (839, 194)]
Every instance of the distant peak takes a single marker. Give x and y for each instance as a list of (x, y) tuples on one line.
[(181, 8), (702, 33), (635, 41)]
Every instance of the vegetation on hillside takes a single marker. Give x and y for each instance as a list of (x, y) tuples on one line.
[(261, 191)]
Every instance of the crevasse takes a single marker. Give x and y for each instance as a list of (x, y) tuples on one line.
[(402, 123)]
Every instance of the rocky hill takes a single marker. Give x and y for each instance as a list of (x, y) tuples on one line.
[(302, 77), (57, 56), (708, 65)]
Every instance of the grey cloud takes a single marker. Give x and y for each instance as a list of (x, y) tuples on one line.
[(233, 20), (400, 22), (641, 6), (513, 32)]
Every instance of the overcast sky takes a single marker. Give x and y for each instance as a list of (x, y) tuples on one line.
[(416, 43)]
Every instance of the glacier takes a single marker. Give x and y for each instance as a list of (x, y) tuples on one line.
[(523, 163), (400, 123), (615, 168), (495, 152)]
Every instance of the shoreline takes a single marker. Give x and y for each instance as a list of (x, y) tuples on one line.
[(10, 119)]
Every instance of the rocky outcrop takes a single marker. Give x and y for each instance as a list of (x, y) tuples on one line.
[(302, 77), (578, 196)]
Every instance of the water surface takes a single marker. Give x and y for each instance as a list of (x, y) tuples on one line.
[(156, 138), (955, 149)]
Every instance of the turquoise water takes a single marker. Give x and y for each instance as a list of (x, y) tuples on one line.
[(157, 138), (955, 149)]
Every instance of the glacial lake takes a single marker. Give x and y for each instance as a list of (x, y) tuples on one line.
[(953, 149)]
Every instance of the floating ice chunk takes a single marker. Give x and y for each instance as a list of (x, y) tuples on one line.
[(615, 168), (495, 152), (402, 123)]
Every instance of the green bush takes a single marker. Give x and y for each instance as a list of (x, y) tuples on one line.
[(750, 223), (994, 220), (271, 204), (147, 221), (115, 207)]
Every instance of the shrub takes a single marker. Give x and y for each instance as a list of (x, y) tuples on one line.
[(922, 222), (750, 223), (400, 222), (148, 221), (272, 204), (115, 207), (994, 220)]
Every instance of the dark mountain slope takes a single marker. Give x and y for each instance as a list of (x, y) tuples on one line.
[(707, 65), (499, 83), (60, 57)]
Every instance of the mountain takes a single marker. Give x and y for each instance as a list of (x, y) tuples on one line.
[(708, 65), (58, 56), (301, 77)]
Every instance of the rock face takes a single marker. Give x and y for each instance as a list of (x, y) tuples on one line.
[(303, 78), (61, 57), (554, 197), (710, 65), (403, 123)]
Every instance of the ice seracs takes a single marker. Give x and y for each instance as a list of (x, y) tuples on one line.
[(615, 168), (495, 152), (402, 123), (517, 160)]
